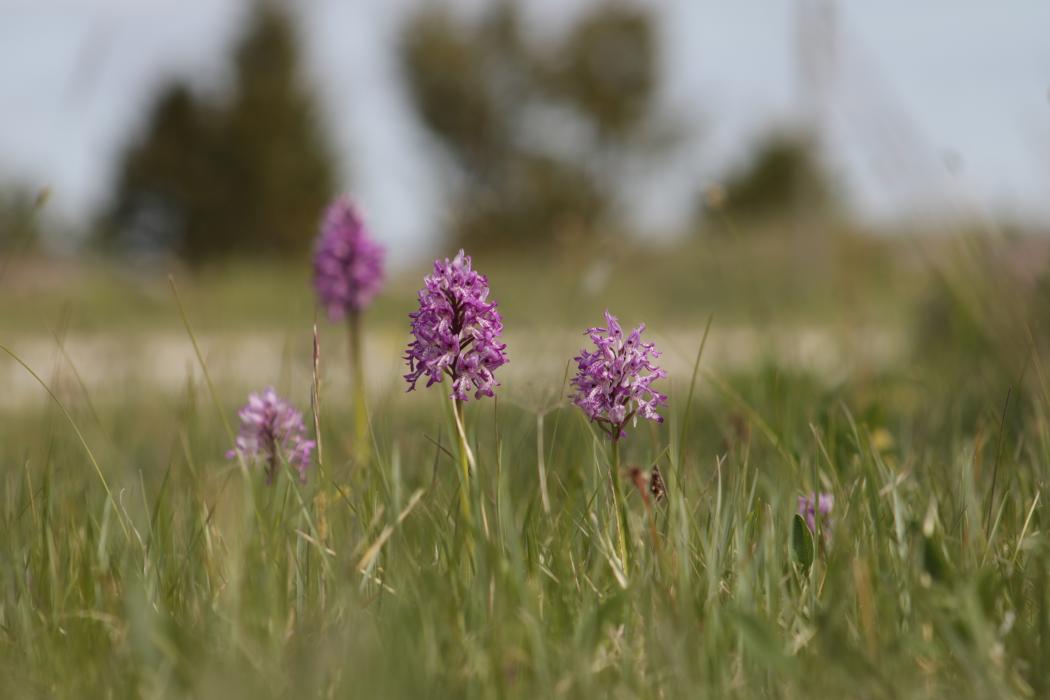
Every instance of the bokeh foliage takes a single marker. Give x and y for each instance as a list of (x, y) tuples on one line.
[(248, 175), (19, 220), (497, 98), (784, 176)]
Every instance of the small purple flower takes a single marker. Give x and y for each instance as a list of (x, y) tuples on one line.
[(272, 431), (348, 263), (809, 507), (456, 331), (614, 383)]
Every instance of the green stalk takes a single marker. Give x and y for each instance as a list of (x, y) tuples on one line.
[(362, 438), (620, 504), (464, 462)]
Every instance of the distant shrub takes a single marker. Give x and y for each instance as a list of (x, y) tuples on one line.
[(783, 176)]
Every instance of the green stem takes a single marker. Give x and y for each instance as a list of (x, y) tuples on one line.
[(620, 504), (464, 461), (362, 441)]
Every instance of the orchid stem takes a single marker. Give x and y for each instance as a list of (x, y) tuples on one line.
[(620, 504), (465, 460), (362, 441)]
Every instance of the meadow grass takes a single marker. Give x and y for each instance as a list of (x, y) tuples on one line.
[(754, 279), (172, 571)]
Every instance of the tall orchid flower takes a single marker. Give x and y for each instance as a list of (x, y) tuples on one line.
[(456, 334), (614, 388), (348, 274)]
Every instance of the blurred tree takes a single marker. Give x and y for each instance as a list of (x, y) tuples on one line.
[(535, 199), (483, 88), (170, 194), (446, 71), (248, 177), (282, 168), (19, 224), (607, 68), (784, 174)]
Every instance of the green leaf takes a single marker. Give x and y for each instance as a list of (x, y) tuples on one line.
[(802, 542), (934, 561)]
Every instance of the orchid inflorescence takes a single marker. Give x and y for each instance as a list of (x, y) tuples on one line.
[(816, 506), (614, 383), (272, 431), (456, 331), (348, 263)]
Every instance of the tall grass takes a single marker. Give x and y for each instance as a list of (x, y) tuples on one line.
[(171, 571), (361, 583)]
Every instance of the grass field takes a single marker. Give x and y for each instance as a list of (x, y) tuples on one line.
[(138, 561)]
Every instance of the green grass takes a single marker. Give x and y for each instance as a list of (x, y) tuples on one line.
[(752, 279), (197, 579)]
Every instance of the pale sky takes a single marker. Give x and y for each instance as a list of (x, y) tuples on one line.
[(916, 85)]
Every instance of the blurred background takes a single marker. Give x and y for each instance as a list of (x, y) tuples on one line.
[(847, 186)]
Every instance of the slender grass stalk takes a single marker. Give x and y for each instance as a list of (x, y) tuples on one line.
[(362, 441), (60, 341), (692, 389), (204, 366), (541, 465), (620, 504), (214, 395), (80, 437)]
